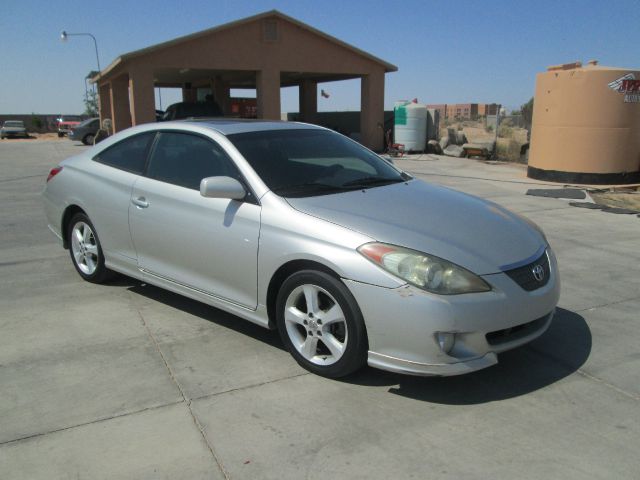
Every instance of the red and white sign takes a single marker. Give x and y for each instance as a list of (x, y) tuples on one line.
[(628, 86)]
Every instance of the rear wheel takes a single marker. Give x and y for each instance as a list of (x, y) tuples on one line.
[(321, 324), (86, 252), (88, 139)]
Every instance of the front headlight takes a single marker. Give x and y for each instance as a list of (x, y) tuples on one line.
[(427, 272)]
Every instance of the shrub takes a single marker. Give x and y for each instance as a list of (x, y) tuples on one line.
[(505, 131), (509, 151), (507, 122), (36, 122)]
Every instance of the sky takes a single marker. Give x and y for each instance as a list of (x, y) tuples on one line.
[(446, 52)]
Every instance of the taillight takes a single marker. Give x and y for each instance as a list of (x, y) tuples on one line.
[(54, 172)]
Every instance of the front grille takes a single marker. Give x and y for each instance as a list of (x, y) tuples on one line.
[(525, 277), (514, 333)]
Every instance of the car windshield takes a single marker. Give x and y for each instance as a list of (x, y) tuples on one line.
[(308, 162), (14, 123)]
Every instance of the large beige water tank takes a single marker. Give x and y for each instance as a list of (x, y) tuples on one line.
[(586, 125)]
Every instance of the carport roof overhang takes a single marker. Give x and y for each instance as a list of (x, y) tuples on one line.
[(169, 76), (175, 77)]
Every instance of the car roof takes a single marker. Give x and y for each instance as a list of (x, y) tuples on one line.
[(229, 126)]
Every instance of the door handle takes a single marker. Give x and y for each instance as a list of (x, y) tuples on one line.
[(140, 202)]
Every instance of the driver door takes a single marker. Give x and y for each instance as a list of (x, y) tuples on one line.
[(206, 244)]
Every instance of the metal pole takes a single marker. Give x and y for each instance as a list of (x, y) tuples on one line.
[(64, 36), (495, 145), (95, 44)]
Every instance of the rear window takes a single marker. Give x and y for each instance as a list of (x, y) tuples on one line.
[(92, 122), (129, 154), (70, 118)]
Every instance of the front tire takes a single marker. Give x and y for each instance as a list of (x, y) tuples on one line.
[(321, 325), (85, 250)]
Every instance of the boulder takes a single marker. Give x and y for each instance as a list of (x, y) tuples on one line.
[(461, 138), (454, 151)]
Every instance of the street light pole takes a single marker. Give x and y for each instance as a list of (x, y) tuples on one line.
[(64, 37)]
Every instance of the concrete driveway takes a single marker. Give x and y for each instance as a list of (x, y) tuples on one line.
[(129, 381)]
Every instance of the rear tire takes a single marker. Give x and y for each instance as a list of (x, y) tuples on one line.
[(88, 139), (321, 325), (86, 251)]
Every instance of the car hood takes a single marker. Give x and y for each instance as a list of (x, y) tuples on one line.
[(473, 233), (13, 129)]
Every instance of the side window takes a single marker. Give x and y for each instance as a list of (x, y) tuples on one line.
[(130, 154), (183, 159)]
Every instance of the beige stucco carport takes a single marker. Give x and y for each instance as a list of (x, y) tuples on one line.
[(265, 52)]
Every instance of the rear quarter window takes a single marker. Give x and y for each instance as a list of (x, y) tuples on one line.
[(129, 154)]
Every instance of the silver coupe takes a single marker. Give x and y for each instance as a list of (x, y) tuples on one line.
[(295, 227)]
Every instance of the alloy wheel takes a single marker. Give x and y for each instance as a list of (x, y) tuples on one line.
[(84, 248), (316, 324)]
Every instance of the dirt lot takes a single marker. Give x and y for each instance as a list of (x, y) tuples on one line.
[(623, 198), (510, 139)]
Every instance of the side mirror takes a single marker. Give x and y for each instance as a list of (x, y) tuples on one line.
[(222, 187)]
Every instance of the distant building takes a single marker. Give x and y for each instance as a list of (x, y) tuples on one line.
[(441, 108), (462, 111), (485, 109), (465, 111)]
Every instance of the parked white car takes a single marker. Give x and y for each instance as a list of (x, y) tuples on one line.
[(13, 129)]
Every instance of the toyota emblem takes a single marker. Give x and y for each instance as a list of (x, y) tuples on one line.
[(538, 272)]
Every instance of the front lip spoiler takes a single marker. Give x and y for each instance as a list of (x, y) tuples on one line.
[(408, 367)]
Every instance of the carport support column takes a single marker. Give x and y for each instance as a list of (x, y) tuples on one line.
[(143, 100), (308, 99), (268, 93), (104, 105), (189, 94), (221, 94), (372, 110), (120, 115)]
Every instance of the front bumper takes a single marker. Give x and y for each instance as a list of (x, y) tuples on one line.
[(402, 324), (15, 134)]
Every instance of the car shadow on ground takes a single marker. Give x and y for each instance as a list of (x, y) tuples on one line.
[(558, 353), (202, 310)]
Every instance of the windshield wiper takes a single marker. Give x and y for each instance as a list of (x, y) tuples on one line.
[(371, 181), (308, 187)]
